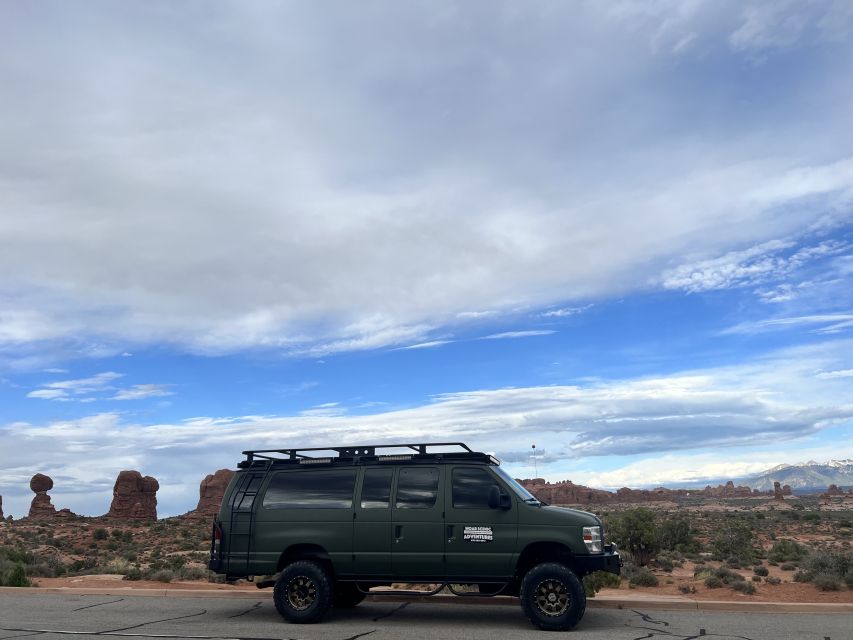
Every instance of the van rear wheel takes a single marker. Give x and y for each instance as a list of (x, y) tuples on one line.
[(303, 592), (552, 597)]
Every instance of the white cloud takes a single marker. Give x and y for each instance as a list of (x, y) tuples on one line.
[(48, 394), (565, 312), (509, 335), (830, 375), (285, 205), (78, 389), (826, 323), (427, 345), (142, 391)]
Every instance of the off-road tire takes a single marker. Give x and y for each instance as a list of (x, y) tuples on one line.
[(303, 592), (552, 597), (346, 595)]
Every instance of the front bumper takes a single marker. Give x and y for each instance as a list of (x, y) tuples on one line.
[(610, 561)]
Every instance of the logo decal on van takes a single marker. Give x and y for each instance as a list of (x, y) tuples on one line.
[(477, 534)]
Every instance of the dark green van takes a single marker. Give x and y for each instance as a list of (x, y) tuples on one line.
[(330, 527)]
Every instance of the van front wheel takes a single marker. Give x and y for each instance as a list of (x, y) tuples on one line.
[(303, 592), (552, 597)]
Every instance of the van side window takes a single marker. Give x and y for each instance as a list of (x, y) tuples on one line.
[(471, 488), (417, 488), (321, 489), (376, 490)]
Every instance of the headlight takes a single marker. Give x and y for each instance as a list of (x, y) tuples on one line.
[(592, 539)]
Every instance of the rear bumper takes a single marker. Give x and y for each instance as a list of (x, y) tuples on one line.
[(611, 562)]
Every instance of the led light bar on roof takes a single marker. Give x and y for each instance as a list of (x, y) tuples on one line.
[(315, 461), (393, 458)]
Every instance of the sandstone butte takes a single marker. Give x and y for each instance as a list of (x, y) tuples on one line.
[(134, 497), (210, 494)]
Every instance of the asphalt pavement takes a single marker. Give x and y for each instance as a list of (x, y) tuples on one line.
[(64, 616)]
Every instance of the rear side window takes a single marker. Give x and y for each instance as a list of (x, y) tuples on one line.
[(376, 491), (320, 489), (417, 488), (471, 488)]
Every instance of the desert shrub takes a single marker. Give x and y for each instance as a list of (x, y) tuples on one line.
[(675, 534), (595, 582), (728, 576), (15, 555), (811, 517), (17, 577), (744, 587), (130, 556), (133, 573), (44, 569), (848, 580), (827, 582), (834, 563), (665, 562), (100, 534), (788, 566), (643, 578), (162, 575), (686, 588), (734, 539), (845, 524), (756, 578), (786, 550), (802, 576), (197, 573), (734, 563), (772, 563), (636, 530), (761, 571), (772, 580), (713, 582)]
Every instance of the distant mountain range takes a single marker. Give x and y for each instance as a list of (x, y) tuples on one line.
[(803, 477)]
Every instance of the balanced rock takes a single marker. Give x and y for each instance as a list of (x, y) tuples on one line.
[(777, 491), (210, 494), (41, 483), (41, 506), (134, 497)]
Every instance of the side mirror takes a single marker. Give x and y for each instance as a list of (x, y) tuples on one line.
[(497, 498)]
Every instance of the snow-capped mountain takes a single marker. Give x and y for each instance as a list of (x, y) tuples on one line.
[(809, 475)]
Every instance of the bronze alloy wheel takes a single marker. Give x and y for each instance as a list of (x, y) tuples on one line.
[(301, 592), (552, 597)]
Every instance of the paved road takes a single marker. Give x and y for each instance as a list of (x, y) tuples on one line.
[(63, 617)]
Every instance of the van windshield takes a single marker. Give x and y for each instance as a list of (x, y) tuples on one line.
[(522, 493)]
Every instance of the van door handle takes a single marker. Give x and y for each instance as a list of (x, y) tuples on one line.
[(450, 530), (398, 532)]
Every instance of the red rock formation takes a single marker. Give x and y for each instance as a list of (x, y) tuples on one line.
[(777, 491), (41, 506), (566, 492), (134, 497), (834, 490), (211, 491)]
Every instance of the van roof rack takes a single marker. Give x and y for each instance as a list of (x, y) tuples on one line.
[(415, 452)]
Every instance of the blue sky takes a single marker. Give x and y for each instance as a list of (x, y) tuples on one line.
[(621, 231)]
